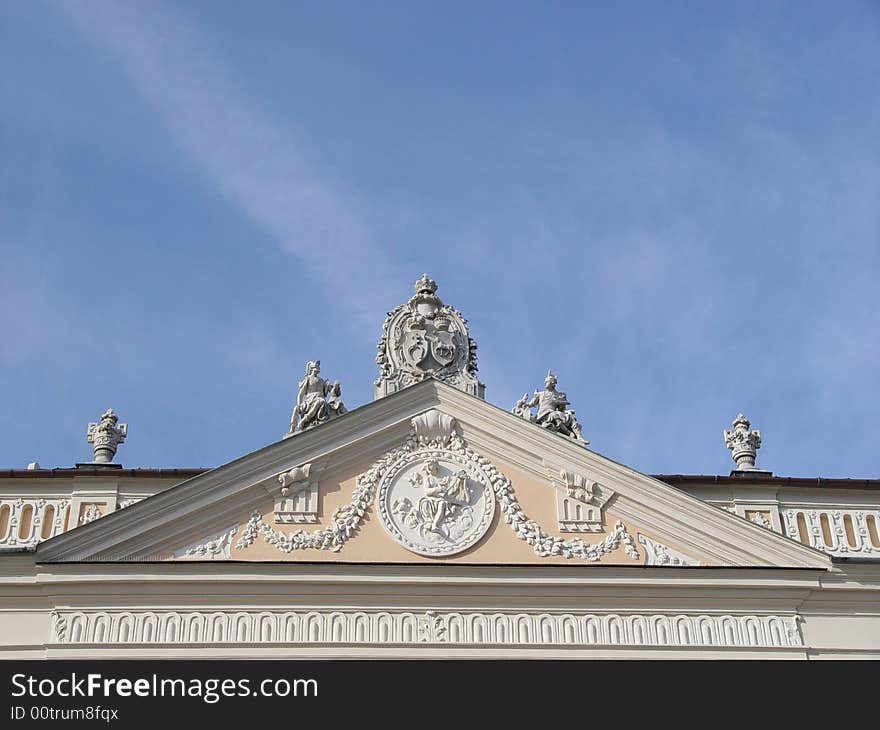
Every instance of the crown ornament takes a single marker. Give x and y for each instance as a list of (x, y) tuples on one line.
[(425, 285)]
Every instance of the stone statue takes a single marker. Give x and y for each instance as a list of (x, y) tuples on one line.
[(105, 436), (552, 413), (317, 400), (743, 443), (523, 409), (334, 404)]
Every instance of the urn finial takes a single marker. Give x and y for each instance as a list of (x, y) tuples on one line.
[(105, 436), (743, 444)]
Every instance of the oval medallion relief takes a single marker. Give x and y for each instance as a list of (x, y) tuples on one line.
[(433, 502)]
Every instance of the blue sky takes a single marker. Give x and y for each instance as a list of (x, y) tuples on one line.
[(673, 205)]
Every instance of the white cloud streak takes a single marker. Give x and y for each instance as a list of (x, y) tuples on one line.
[(262, 166)]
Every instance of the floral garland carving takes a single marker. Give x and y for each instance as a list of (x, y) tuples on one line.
[(346, 519)]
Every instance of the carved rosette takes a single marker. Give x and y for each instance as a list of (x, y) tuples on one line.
[(425, 338)]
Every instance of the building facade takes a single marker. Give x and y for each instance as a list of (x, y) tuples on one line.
[(431, 523)]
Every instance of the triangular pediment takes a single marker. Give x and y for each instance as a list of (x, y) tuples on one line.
[(428, 474)]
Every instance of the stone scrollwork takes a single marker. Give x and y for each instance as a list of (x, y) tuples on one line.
[(426, 338), (59, 626), (760, 519), (90, 513), (435, 459), (48, 518), (657, 553), (212, 547)]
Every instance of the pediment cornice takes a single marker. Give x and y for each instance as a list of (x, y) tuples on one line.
[(209, 501)]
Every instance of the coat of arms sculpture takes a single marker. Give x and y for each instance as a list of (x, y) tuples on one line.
[(426, 338)]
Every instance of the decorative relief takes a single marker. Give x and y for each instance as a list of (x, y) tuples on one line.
[(434, 437), (425, 338), (123, 503), (834, 530), (298, 500), (212, 547), (90, 513), (435, 502), (760, 518), (447, 628), (579, 502), (25, 522), (59, 626), (432, 628), (657, 553)]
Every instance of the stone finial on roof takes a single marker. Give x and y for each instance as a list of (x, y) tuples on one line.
[(105, 436), (743, 444)]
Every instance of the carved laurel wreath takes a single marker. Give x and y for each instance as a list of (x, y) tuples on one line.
[(346, 519)]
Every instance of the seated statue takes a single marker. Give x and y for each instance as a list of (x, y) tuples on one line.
[(317, 400), (444, 496), (552, 413)]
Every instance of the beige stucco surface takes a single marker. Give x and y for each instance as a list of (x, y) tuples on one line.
[(371, 543)]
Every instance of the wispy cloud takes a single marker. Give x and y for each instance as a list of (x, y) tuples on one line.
[(266, 168)]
